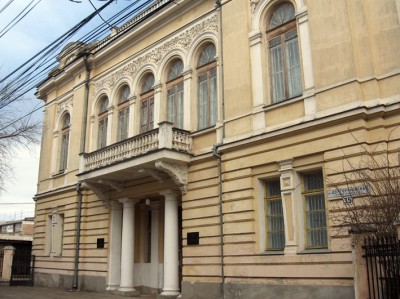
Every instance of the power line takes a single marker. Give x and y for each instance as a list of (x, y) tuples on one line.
[(99, 14), (34, 71), (5, 29), (6, 5), (19, 74)]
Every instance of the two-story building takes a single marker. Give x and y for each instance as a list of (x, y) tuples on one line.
[(17, 233), (189, 151)]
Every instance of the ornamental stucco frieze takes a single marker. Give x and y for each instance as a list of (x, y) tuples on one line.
[(181, 40), (64, 105)]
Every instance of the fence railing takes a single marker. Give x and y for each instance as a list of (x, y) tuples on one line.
[(163, 137), (22, 270), (383, 267)]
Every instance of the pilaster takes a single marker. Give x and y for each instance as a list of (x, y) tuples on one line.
[(287, 180)]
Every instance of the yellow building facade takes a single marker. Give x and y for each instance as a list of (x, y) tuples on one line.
[(190, 152)]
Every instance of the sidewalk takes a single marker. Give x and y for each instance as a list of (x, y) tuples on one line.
[(7, 292)]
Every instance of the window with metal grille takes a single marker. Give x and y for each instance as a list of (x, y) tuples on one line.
[(315, 213), (274, 216)]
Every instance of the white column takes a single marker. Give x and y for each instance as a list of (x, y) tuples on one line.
[(114, 266), (305, 44), (171, 263), (128, 248), (54, 154), (187, 81), (310, 104), (132, 117), (257, 81), (110, 122), (157, 103)]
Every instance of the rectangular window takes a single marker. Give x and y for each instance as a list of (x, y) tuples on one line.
[(175, 105), (285, 66), (147, 114), (123, 123), (102, 140), (208, 99), (315, 212), (64, 150), (274, 216), (203, 99), (171, 105)]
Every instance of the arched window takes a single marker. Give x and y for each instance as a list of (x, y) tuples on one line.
[(103, 122), (147, 104), (66, 122), (284, 57), (175, 93), (207, 87), (123, 112)]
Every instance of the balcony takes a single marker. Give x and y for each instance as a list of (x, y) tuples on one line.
[(164, 144)]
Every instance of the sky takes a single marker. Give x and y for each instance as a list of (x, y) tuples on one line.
[(46, 22)]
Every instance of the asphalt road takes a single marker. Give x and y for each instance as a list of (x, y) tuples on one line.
[(7, 292)]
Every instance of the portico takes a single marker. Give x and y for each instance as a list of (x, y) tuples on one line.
[(147, 271)]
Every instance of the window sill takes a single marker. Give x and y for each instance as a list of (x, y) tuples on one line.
[(204, 131), (283, 103), (315, 251), (59, 174), (274, 252)]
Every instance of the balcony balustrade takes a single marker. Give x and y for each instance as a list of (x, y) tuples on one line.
[(163, 137)]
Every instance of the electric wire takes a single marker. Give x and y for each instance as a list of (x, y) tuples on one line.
[(6, 5), (37, 59), (29, 76), (90, 1), (17, 19), (44, 71)]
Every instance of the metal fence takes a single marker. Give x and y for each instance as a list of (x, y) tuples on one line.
[(383, 267), (22, 270)]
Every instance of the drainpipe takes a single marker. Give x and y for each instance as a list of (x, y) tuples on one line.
[(85, 108), (215, 152), (217, 155), (218, 6), (78, 185), (78, 236)]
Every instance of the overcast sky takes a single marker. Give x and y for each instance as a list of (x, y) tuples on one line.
[(47, 21)]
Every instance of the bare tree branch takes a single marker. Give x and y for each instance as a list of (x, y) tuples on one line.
[(376, 168), (17, 130)]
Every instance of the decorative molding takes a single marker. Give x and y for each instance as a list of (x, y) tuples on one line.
[(156, 174), (177, 172), (113, 184), (66, 104), (182, 40), (100, 190), (253, 5)]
